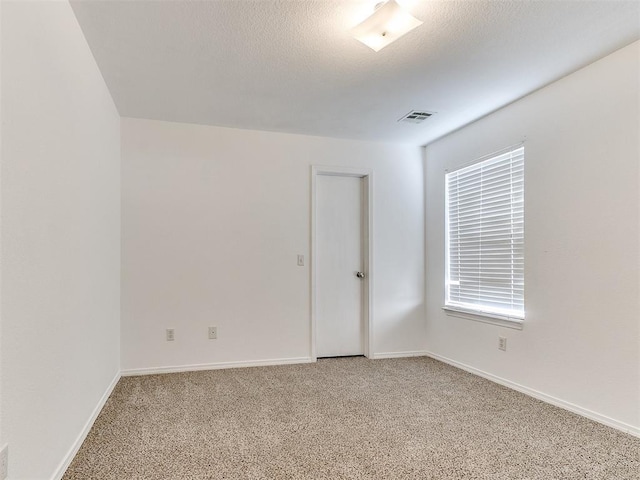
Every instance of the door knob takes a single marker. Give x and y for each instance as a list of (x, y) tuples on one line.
[(360, 274)]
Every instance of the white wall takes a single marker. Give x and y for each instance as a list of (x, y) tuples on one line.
[(212, 221), (581, 339), (1, 430), (60, 235)]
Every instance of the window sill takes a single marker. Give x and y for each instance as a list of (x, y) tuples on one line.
[(485, 318)]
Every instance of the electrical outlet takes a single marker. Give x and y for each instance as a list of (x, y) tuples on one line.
[(170, 335), (301, 260), (4, 462), (502, 343), (213, 333)]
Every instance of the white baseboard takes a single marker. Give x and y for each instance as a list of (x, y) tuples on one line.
[(68, 458), (608, 421), (415, 353), (214, 366)]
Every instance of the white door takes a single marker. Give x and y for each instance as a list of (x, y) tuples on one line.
[(339, 259)]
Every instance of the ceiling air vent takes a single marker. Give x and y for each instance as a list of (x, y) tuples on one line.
[(416, 116)]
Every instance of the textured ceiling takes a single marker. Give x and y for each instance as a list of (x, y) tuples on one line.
[(291, 66)]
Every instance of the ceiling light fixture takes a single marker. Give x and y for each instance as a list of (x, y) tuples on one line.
[(388, 23)]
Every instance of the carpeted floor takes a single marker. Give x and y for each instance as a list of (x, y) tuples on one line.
[(347, 418)]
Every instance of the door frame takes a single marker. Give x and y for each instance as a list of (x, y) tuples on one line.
[(367, 239)]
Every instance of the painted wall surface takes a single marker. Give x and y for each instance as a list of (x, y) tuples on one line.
[(1, 430), (212, 222), (581, 338), (60, 235)]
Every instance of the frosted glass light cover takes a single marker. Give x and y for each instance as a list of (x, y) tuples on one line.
[(387, 24)]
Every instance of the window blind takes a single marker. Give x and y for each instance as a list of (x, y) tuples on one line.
[(485, 236)]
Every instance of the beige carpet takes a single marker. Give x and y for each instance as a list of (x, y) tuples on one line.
[(343, 419)]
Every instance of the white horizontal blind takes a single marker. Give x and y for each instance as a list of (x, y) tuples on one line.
[(485, 236)]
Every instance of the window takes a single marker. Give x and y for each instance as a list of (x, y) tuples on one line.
[(485, 237)]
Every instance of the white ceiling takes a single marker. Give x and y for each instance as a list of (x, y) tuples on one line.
[(291, 66)]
